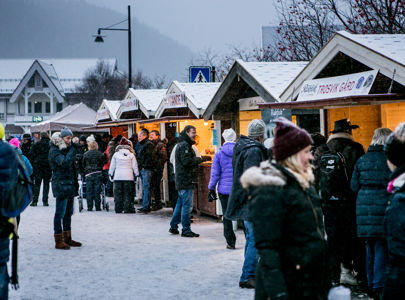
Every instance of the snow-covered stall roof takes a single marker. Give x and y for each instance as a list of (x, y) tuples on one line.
[(70, 71), (108, 110), (382, 52), (267, 79), (197, 95), (148, 100), (74, 116)]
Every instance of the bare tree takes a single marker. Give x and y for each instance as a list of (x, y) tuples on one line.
[(370, 16)]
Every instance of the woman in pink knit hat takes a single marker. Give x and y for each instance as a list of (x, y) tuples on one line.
[(287, 220)]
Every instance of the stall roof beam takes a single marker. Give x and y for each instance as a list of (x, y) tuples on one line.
[(338, 102)]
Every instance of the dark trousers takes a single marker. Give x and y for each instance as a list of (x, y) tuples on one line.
[(108, 184), (93, 190), (340, 226), (123, 196), (41, 176), (395, 283), (155, 185), (63, 215), (228, 229), (376, 249)]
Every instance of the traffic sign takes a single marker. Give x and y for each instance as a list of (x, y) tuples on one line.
[(200, 74)]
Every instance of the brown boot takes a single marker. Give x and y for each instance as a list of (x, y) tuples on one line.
[(59, 243), (67, 236)]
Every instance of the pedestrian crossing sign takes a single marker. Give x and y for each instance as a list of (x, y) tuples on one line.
[(200, 74)]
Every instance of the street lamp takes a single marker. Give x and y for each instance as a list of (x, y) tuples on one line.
[(99, 39)]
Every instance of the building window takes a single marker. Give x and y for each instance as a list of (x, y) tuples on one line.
[(59, 107), (47, 107), (38, 81), (37, 107), (1, 116), (29, 107)]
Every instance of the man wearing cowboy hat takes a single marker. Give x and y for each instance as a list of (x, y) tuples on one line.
[(340, 211)]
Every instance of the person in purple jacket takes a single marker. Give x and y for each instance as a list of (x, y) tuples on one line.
[(221, 174)]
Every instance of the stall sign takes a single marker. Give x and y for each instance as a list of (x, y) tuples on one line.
[(37, 119), (338, 86), (251, 103), (130, 104), (174, 100), (103, 114)]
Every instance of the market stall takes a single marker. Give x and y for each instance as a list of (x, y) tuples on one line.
[(359, 77), (106, 117), (247, 85), (76, 117), (184, 104)]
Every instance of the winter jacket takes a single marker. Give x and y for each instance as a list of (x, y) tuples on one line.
[(107, 164), (247, 153), (145, 155), (159, 155), (370, 178), (26, 149), (395, 225), (123, 164), (351, 151), (221, 169), (93, 161), (39, 155), (27, 163), (185, 163), (288, 232), (64, 174)]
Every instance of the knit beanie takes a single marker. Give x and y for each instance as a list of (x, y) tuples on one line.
[(82, 138), (229, 135), (124, 141), (14, 142), (395, 146), (44, 135), (256, 128), (65, 132), (2, 131), (289, 139)]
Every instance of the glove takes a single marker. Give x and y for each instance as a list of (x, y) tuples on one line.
[(212, 195), (110, 177)]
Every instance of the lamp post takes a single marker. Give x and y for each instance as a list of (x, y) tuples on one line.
[(99, 39)]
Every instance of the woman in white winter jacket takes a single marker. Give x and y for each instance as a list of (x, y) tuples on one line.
[(123, 170)]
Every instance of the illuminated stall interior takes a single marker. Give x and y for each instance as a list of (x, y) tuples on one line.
[(345, 53), (107, 118)]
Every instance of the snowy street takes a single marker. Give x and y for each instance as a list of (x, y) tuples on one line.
[(126, 256)]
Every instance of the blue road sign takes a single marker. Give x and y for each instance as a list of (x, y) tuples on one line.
[(200, 74)]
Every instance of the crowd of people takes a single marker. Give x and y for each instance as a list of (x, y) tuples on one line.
[(316, 212)]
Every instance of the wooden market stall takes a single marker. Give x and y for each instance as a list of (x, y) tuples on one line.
[(359, 77), (184, 104), (106, 117), (246, 85)]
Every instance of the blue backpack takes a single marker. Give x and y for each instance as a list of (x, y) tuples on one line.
[(20, 194)]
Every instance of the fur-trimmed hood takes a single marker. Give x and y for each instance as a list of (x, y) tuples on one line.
[(341, 135), (57, 141), (266, 174), (269, 175), (126, 147)]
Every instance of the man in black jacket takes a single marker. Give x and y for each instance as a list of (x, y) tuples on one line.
[(248, 152), (145, 165), (42, 171), (160, 158), (26, 145), (186, 162), (340, 212)]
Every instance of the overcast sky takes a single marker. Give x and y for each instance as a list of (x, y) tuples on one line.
[(202, 24)]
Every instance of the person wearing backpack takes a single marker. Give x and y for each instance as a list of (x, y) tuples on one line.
[(334, 164), (62, 155), (8, 163)]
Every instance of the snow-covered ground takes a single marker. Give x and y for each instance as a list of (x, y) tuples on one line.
[(126, 257)]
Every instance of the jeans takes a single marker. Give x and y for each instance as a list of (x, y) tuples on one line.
[(4, 281), (155, 184), (146, 176), (41, 176), (376, 262), (249, 265), (63, 215), (93, 190), (228, 229), (182, 210), (123, 196)]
